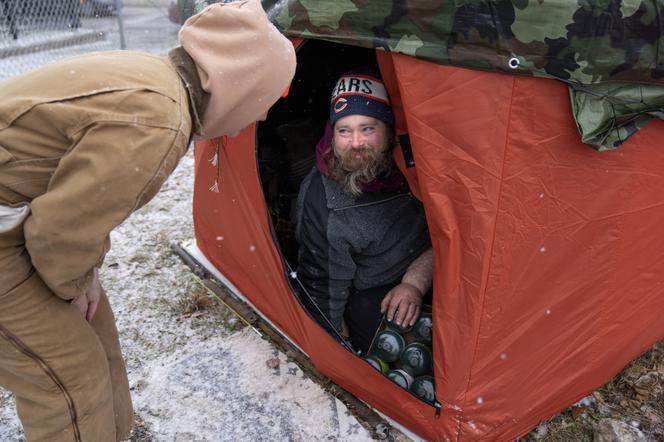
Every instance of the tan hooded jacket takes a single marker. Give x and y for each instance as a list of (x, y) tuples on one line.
[(86, 141)]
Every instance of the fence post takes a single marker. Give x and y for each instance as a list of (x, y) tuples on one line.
[(118, 6), (9, 15)]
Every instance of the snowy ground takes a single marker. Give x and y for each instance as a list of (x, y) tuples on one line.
[(196, 373)]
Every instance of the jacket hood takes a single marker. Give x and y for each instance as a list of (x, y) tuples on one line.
[(244, 63)]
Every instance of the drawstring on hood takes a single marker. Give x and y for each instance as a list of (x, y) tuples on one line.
[(244, 63)]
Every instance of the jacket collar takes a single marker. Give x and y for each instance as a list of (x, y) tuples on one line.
[(334, 194), (337, 198)]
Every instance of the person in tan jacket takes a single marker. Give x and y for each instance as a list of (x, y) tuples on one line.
[(84, 142)]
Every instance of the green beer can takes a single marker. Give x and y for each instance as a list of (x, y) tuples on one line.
[(377, 363), (423, 388), (401, 377), (417, 359), (388, 345), (422, 329)]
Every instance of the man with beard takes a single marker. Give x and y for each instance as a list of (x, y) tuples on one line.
[(364, 243)]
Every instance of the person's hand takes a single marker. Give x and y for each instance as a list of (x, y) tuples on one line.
[(87, 303), (406, 301)]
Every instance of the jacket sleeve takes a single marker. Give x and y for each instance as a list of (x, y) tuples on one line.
[(325, 266), (340, 280), (111, 170), (327, 275)]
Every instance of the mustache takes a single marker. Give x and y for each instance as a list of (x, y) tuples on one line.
[(357, 158), (356, 167)]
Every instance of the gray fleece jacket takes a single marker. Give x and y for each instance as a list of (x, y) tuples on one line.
[(350, 244)]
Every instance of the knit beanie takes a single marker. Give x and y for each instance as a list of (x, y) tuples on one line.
[(243, 61), (360, 92)]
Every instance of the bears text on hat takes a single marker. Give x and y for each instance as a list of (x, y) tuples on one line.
[(362, 85)]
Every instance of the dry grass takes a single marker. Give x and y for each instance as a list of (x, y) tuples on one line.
[(196, 303), (140, 432), (635, 395), (201, 307)]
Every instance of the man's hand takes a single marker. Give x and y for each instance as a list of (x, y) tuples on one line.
[(406, 301), (87, 303)]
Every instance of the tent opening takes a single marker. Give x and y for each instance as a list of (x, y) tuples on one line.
[(287, 139), (286, 144)]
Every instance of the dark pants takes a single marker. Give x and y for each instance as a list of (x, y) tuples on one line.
[(363, 315)]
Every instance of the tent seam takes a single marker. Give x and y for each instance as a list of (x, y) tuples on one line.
[(493, 241)]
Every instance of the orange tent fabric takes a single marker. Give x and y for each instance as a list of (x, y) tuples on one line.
[(548, 254)]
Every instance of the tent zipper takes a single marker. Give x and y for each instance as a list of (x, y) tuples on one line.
[(438, 406)]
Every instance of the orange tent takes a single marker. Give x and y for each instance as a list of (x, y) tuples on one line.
[(546, 252)]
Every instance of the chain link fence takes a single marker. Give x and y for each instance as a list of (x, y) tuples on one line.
[(34, 32)]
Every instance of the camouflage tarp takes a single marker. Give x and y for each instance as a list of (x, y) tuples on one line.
[(584, 41), (580, 42), (607, 114)]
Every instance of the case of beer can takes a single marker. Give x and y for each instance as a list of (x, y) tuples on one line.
[(404, 355)]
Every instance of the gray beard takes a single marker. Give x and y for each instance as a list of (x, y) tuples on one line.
[(351, 175)]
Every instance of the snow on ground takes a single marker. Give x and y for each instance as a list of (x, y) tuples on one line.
[(195, 372)]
